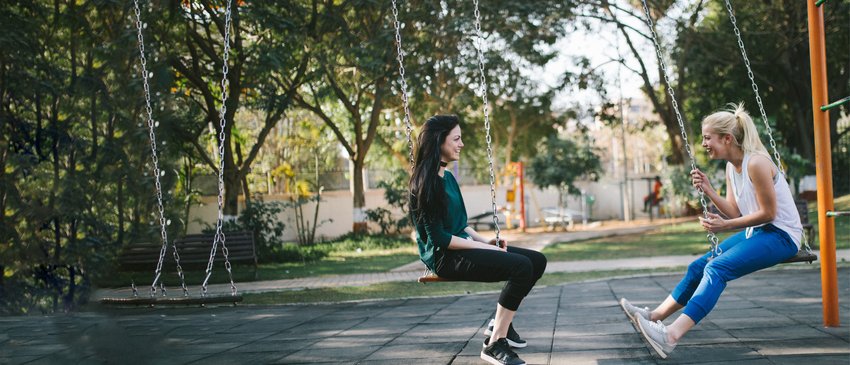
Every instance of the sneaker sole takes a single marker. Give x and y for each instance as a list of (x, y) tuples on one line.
[(494, 361), (515, 345), (655, 345), (631, 317)]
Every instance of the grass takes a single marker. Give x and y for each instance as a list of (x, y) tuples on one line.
[(679, 239), (842, 224)]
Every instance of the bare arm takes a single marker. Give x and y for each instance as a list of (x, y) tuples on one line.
[(761, 173), (727, 205)]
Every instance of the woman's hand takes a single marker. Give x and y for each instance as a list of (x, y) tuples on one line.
[(714, 223), (699, 180), (502, 244)]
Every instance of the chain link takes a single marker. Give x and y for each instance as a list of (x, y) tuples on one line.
[(404, 98), (163, 223), (712, 238), (483, 89), (219, 235), (754, 86)]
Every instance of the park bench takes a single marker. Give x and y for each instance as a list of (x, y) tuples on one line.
[(561, 216), (194, 251), (485, 218)]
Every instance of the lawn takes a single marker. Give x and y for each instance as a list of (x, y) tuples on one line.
[(679, 239)]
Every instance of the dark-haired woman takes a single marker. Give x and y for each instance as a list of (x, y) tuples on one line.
[(453, 250)]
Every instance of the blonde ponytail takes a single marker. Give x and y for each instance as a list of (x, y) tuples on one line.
[(735, 121)]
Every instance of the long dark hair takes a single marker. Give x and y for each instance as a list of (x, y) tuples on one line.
[(427, 194)]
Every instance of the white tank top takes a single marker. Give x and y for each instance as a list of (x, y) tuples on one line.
[(787, 218)]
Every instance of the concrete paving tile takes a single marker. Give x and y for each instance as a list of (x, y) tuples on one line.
[(566, 344), (727, 352), (277, 346), (417, 361), (817, 346), (350, 341), (569, 330), (738, 323), (775, 333), (348, 354), (603, 356), (418, 351), (16, 360), (810, 359), (241, 358)]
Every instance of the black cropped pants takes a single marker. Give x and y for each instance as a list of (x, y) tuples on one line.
[(520, 267)]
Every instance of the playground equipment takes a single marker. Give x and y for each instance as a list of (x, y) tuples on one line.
[(428, 276), (826, 227), (219, 237)]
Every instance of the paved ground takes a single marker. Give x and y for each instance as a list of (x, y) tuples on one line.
[(771, 317)]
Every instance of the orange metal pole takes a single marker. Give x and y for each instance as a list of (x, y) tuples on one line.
[(823, 163)]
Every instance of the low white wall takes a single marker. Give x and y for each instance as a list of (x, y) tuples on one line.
[(337, 205)]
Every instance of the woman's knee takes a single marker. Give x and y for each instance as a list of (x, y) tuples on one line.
[(696, 268)]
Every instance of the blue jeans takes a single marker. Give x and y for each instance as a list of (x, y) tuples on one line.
[(705, 280)]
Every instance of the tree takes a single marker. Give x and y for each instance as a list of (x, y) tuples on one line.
[(561, 162), (268, 62), (74, 152)]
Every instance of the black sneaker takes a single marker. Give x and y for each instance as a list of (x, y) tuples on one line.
[(513, 338), (500, 353)]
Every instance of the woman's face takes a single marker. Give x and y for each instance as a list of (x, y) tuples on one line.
[(450, 150), (717, 145)]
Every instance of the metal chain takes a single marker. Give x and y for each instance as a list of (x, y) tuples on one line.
[(155, 159), (715, 247), (754, 86), (400, 57), (219, 235), (483, 89)]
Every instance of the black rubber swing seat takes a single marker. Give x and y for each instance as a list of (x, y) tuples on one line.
[(802, 256), (173, 300)]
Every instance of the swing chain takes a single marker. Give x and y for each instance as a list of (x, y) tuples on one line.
[(155, 160), (714, 242), (404, 97), (483, 89), (219, 235), (754, 85)]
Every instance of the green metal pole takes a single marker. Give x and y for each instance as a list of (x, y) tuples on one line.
[(834, 104), (820, 2), (837, 214)]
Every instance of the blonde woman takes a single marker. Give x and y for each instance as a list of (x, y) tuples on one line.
[(758, 200)]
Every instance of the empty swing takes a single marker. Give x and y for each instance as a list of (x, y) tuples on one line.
[(428, 276), (219, 238)]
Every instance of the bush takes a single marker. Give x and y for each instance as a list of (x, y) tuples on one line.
[(396, 195), (259, 218)]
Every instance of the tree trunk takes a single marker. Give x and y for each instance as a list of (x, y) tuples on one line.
[(359, 201)]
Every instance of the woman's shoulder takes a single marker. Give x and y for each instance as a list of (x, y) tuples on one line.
[(759, 164)]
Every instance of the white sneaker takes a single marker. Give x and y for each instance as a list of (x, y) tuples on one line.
[(633, 312), (513, 337), (656, 334)]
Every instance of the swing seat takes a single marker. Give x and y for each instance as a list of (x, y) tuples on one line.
[(137, 301), (802, 256), (430, 277)]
